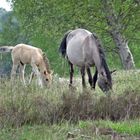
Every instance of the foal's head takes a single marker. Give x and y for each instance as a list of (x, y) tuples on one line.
[(46, 78), (47, 73)]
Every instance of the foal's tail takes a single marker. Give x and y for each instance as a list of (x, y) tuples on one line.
[(63, 45), (5, 49)]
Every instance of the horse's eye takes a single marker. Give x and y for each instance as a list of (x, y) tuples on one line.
[(47, 79)]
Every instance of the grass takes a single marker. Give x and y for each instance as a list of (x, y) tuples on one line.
[(131, 127), (36, 132), (82, 130), (34, 113)]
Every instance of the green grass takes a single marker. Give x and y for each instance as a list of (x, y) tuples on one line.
[(44, 132), (80, 131), (131, 127), (35, 132)]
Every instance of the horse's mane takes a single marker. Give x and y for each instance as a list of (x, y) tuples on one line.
[(102, 56), (47, 64)]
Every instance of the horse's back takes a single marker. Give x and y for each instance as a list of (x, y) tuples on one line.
[(25, 47), (26, 53), (79, 50)]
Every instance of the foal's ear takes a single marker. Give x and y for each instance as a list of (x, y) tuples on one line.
[(44, 54), (51, 72)]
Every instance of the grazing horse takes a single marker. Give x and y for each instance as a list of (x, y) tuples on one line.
[(23, 54), (83, 49)]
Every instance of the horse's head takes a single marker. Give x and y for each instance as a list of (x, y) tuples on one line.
[(105, 81), (46, 78)]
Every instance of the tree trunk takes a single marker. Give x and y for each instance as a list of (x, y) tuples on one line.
[(123, 50), (120, 42)]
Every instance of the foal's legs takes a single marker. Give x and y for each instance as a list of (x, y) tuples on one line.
[(71, 73), (35, 69), (22, 70), (89, 77), (31, 76), (83, 76)]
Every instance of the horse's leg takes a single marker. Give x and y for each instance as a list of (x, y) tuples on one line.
[(83, 77), (71, 73), (89, 77), (35, 69), (95, 78), (31, 76), (22, 70)]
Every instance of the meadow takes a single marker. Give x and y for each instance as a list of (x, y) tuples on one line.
[(60, 113)]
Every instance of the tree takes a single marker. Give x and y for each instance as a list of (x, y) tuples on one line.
[(116, 27), (9, 35), (48, 20)]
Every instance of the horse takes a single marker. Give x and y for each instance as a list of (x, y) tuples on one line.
[(83, 49), (23, 54)]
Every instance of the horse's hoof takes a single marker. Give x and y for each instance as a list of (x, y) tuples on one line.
[(92, 88), (72, 87)]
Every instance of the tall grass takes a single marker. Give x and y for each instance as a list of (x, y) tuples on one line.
[(32, 105)]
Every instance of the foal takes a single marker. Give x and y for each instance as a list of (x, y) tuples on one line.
[(23, 54)]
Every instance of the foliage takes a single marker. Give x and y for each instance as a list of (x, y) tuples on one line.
[(45, 23), (10, 35), (10, 29)]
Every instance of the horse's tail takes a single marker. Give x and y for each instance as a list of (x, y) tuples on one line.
[(5, 49), (63, 45)]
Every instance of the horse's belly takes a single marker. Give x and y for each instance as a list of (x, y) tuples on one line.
[(78, 58), (74, 56)]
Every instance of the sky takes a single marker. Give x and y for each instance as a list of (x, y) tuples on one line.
[(5, 5)]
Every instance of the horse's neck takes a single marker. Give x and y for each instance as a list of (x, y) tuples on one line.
[(98, 54), (46, 61), (99, 63), (103, 68), (42, 66)]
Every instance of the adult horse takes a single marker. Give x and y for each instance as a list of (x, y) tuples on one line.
[(83, 49), (23, 54)]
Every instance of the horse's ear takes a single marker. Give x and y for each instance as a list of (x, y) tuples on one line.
[(112, 71), (103, 74), (51, 72)]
